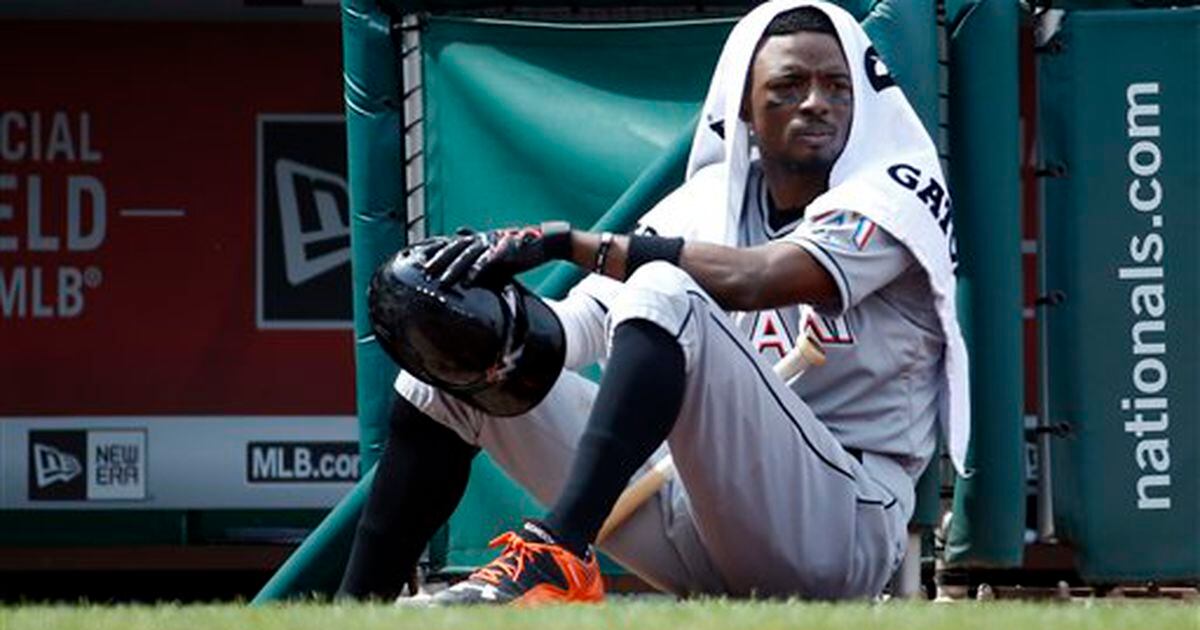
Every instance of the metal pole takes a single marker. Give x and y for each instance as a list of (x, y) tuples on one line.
[(412, 89), (1045, 485)]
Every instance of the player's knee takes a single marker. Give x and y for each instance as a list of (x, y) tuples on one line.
[(660, 287), (662, 277), (661, 294), (656, 292)]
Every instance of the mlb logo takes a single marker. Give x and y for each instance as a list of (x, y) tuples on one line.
[(303, 223)]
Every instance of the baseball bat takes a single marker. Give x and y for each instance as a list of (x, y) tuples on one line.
[(805, 353), (636, 494)]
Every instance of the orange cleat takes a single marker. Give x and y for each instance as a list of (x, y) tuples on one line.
[(532, 570)]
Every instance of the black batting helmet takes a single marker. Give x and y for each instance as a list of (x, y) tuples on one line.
[(498, 350)]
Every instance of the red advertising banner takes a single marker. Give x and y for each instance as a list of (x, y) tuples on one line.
[(173, 220)]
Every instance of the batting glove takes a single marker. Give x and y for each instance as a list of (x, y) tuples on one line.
[(494, 257)]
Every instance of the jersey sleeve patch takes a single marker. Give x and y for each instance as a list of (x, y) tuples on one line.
[(863, 233), (832, 267), (859, 255)]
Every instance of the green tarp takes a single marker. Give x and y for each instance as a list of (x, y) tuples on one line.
[(526, 122)]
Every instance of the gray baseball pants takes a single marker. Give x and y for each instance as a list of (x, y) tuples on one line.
[(765, 501)]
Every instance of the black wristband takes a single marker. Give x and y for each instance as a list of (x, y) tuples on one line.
[(644, 249), (556, 240)]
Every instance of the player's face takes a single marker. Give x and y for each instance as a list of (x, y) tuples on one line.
[(800, 101)]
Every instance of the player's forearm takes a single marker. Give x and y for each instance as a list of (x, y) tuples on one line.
[(738, 279), (756, 278), (733, 277), (585, 252)]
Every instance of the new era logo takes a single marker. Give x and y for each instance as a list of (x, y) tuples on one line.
[(116, 465), (87, 465), (57, 465), (303, 223), (52, 465), (314, 212)]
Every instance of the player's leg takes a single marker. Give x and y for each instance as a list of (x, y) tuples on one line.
[(420, 478), (659, 542), (765, 467), (636, 406), (781, 507)]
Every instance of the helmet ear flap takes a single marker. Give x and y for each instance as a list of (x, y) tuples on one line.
[(531, 368)]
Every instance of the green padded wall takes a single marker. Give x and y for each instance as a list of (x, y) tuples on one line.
[(989, 506), (1123, 236)]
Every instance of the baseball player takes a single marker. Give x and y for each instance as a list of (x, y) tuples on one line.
[(814, 204)]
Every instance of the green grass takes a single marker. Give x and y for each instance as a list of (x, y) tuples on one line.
[(667, 615)]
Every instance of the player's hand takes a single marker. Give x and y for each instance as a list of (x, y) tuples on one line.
[(425, 249), (449, 261), (493, 258)]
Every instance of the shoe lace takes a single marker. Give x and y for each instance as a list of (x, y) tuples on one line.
[(509, 563)]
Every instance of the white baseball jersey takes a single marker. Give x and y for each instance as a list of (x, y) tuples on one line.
[(878, 388)]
